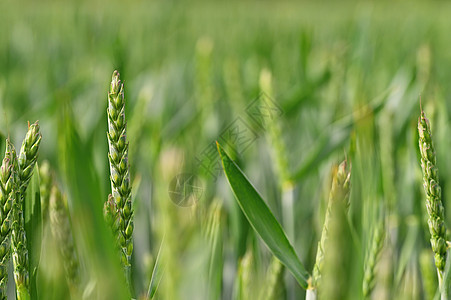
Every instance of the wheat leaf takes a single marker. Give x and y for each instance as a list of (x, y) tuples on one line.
[(261, 219)]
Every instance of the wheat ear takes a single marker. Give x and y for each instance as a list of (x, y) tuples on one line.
[(24, 168), (6, 199), (372, 257), (119, 170), (432, 189), (62, 233), (339, 193)]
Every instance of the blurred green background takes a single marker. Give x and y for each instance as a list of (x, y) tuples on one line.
[(347, 76)]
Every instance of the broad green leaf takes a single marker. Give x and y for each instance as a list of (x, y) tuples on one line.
[(33, 227), (261, 219)]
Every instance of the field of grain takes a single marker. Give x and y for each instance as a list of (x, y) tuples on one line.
[(316, 102)]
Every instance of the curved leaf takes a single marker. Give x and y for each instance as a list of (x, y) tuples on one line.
[(261, 219)]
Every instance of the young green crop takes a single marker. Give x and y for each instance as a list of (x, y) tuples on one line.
[(371, 260), (119, 170), (24, 169), (435, 209), (339, 193), (7, 183), (62, 233)]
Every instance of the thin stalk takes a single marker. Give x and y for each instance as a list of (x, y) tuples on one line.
[(280, 158), (428, 274)]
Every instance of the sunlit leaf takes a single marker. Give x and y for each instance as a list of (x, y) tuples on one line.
[(261, 219)]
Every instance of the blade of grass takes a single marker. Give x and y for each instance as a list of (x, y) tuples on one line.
[(407, 248), (215, 239), (33, 227), (261, 219), (157, 274)]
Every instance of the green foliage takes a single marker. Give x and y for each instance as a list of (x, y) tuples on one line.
[(262, 220), (347, 80)]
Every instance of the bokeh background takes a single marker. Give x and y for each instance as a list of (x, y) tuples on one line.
[(346, 78)]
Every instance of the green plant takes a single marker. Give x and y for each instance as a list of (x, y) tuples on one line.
[(272, 286), (286, 186), (262, 220), (264, 223), (372, 257), (111, 215), (24, 169), (7, 183), (428, 274), (243, 283), (62, 233), (339, 194), (119, 170), (46, 180), (435, 209)]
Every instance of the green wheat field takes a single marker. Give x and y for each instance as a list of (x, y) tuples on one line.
[(225, 150)]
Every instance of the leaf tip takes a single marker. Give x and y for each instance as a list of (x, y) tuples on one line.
[(220, 150)]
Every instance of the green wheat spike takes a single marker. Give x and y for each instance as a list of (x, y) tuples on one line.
[(119, 170), (377, 243), (432, 189), (24, 170), (6, 199), (339, 193), (62, 233)]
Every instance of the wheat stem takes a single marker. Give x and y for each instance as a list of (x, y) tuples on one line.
[(428, 275)]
